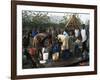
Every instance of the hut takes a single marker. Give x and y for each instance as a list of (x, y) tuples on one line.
[(73, 23)]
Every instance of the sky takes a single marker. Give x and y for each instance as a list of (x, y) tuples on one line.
[(58, 16)]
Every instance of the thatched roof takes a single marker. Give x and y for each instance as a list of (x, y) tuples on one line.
[(73, 22)]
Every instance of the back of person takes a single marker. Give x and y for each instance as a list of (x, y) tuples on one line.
[(64, 41)]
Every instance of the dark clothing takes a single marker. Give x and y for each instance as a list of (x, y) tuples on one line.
[(84, 46), (34, 33), (77, 50), (56, 48), (65, 55), (25, 42), (71, 44)]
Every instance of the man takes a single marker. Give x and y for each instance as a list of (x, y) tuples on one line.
[(83, 34), (84, 39), (76, 32)]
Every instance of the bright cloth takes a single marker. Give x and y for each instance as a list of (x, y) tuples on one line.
[(64, 40), (83, 34), (76, 32), (65, 33), (34, 33)]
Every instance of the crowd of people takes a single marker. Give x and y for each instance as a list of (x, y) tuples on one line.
[(50, 45)]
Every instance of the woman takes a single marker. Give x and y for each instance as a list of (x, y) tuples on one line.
[(65, 54)]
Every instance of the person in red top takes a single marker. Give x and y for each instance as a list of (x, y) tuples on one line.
[(29, 60), (34, 56), (32, 51)]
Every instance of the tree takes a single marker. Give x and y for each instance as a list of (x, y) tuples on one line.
[(26, 19), (40, 19), (35, 19), (64, 20)]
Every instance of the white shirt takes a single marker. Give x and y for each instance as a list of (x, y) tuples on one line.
[(76, 32), (83, 34)]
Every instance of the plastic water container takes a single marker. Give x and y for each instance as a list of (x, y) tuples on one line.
[(45, 56)]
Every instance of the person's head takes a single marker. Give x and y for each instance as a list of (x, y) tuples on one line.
[(71, 33), (83, 26)]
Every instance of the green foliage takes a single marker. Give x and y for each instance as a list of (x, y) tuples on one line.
[(35, 19), (42, 21)]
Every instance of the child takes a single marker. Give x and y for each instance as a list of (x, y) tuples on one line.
[(78, 47)]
